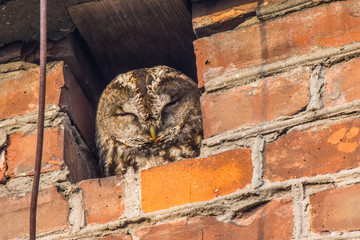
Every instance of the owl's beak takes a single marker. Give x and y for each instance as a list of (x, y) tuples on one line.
[(153, 132)]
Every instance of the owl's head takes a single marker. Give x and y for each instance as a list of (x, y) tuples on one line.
[(149, 109)]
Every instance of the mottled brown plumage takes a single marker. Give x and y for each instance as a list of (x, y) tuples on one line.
[(148, 117)]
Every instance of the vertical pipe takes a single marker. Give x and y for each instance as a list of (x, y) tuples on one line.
[(40, 125)]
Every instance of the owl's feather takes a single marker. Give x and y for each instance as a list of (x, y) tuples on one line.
[(148, 117)]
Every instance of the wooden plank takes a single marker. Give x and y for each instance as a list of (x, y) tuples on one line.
[(129, 34)]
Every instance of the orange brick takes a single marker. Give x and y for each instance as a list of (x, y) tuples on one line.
[(58, 148), (52, 214), (271, 221), (3, 167), (103, 199), (22, 149), (195, 180), (20, 90), (113, 237), (318, 150), (342, 83), (336, 210), (281, 95), (212, 17), (299, 33)]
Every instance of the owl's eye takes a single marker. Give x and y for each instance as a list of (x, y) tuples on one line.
[(172, 103), (120, 112)]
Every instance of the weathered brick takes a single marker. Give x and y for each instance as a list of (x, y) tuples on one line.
[(280, 95), (21, 90), (3, 166), (77, 105), (72, 52), (22, 149), (318, 150), (195, 180), (59, 147), (342, 83), (113, 237), (103, 199), (52, 214), (11, 52), (79, 159), (69, 49), (271, 221), (212, 17), (298, 33), (21, 95), (336, 210)]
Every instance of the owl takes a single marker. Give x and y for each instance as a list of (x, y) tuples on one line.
[(148, 117)]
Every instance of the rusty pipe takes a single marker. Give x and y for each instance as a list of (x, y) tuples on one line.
[(40, 124)]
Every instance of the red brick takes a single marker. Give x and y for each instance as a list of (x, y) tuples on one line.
[(271, 221), (77, 105), (298, 33), (80, 161), (52, 214), (11, 52), (20, 90), (212, 17), (22, 149), (3, 166), (71, 51), (103, 199), (113, 237), (195, 180), (342, 83), (281, 95), (318, 150), (336, 210), (59, 147)]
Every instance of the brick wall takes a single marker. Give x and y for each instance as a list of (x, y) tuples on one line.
[(280, 158)]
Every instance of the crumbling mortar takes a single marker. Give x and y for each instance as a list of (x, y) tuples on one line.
[(132, 198), (76, 208), (280, 9), (21, 186), (316, 86), (227, 146), (257, 162), (7, 68), (27, 123), (335, 236), (297, 192)]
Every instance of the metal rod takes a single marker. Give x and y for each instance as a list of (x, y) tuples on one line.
[(40, 125)]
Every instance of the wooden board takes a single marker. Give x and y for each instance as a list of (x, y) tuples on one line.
[(129, 34)]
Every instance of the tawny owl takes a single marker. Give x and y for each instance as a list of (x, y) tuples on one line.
[(148, 117)]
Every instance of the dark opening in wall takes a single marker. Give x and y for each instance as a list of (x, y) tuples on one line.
[(125, 35)]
